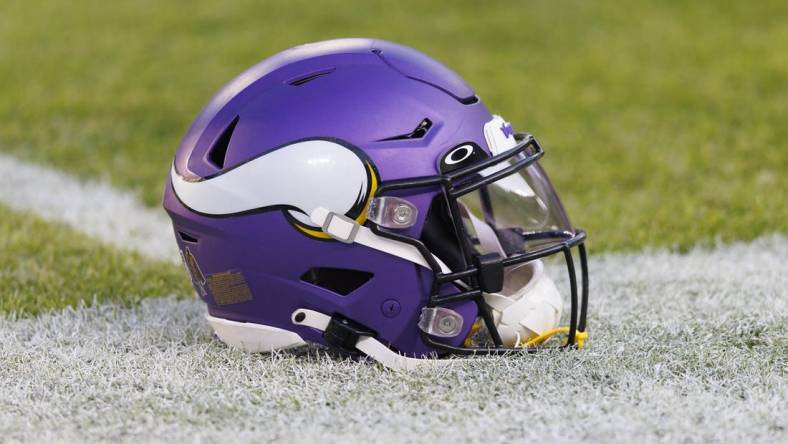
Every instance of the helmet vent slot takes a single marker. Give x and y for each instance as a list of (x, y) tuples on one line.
[(470, 100), (186, 237), (342, 281), (420, 131), (298, 81), (218, 151)]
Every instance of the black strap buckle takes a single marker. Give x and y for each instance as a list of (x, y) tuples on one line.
[(489, 272), (343, 334)]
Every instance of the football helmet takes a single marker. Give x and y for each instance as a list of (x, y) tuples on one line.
[(358, 194)]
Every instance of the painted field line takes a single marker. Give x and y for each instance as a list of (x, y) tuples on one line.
[(94, 208)]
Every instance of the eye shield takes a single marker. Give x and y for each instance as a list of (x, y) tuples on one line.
[(492, 223)]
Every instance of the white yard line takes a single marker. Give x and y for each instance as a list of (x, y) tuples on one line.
[(95, 208), (684, 347)]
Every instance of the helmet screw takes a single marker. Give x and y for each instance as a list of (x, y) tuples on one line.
[(403, 215), (447, 324), (390, 308)]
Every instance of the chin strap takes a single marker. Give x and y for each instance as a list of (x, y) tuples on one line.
[(368, 345), (347, 230), (580, 337), (388, 358)]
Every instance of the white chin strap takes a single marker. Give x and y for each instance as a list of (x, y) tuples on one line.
[(529, 305), (368, 345), (347, 230), (524, 313)]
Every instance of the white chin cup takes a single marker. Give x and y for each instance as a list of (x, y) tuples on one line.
[(528, 305)]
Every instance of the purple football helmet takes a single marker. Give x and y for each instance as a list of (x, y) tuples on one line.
[(358, 194)]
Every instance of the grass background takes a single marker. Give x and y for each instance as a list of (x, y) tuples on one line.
[(664, 123), (44, 266)]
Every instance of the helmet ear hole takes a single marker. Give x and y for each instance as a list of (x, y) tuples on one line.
[(342, 281)]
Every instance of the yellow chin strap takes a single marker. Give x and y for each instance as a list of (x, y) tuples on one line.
[(580, 337)]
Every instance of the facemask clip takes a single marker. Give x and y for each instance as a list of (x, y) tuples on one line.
[(392, 212), (440, 321), (490, 272)]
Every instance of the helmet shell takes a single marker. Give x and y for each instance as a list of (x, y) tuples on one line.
[(361, 91)]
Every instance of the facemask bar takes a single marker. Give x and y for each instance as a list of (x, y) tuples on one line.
[(456, 184)]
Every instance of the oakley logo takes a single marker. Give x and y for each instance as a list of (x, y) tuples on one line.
[(461, 156), (458, 154)]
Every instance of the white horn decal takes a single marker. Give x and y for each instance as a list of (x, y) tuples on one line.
[(304, 175)]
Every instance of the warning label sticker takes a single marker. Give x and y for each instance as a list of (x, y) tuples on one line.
[(228, 287)]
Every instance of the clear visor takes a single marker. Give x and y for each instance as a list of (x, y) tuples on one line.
[(518, 213)]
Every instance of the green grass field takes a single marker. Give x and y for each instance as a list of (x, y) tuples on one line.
[(45, 266), (664, 125)]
